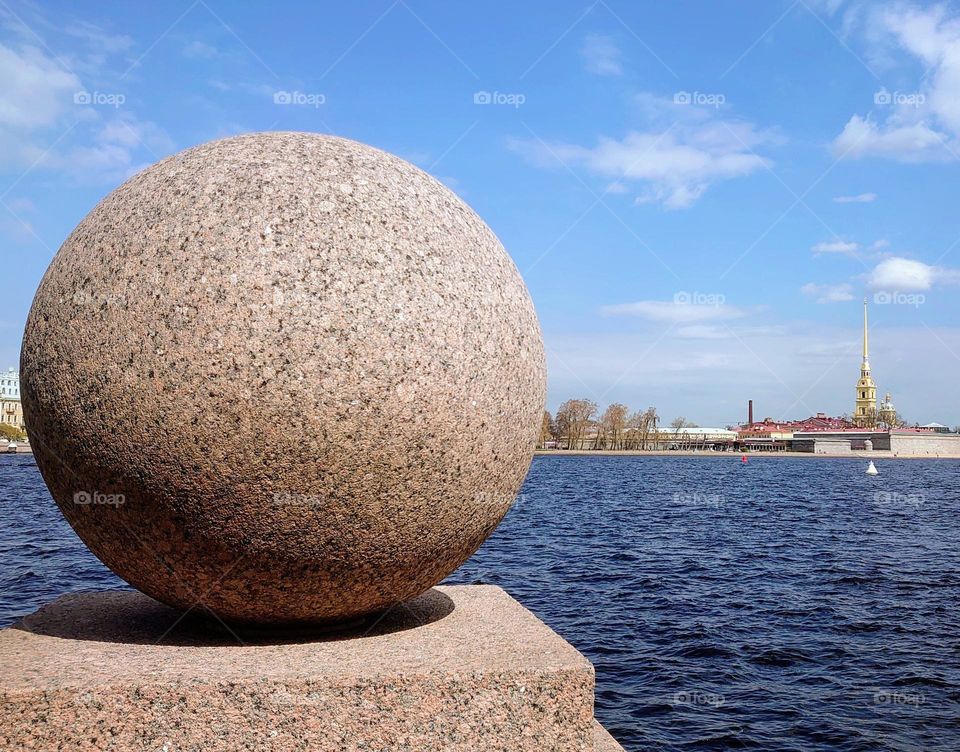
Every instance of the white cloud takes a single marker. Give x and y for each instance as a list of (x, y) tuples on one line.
[(36, 93), (601, 55), (81, 47), (703, 331), (34, 89), (99, 39), (835, 246), (126, 130), (114, 153), (911, 126), (899, 274), (674, 312), (933, 37), (829, 293), (860, 198), (201, 50), (93, 140), (672, 166), (917, 142)]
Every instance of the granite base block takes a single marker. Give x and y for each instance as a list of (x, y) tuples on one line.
[(459, 668)]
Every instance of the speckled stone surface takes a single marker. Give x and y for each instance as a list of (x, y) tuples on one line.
[(460, 668), (283, 377)]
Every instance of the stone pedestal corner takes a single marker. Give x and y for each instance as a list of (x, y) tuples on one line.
[(460, 668)]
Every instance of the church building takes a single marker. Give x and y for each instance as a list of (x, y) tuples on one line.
[(865, 412)]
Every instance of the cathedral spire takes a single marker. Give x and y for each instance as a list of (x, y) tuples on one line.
[(866, 356), (865, 409)]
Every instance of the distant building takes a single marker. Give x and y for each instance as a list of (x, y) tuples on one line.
[(910, 442), (770, 435), (11, 411), (887, 413), (871, 429), (10, 385), (697, 437)]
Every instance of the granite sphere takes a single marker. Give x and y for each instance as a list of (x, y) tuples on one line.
[(283, 377)]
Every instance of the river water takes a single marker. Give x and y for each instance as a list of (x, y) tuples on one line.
[(781, 604)]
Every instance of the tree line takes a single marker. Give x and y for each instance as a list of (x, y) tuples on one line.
[(578, 420), (12, 433)]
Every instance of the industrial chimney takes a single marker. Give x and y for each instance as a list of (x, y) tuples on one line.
[(750, 413)]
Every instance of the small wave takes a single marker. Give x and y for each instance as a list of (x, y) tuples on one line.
[(921, 681), (863, 626), (723, 740), (780, 657), (706, 651), (851, 579)]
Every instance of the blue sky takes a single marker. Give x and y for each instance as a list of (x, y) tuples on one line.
[(698, 194)]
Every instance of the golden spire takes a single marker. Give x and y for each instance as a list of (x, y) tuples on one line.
[(865, 355), (865, 411)]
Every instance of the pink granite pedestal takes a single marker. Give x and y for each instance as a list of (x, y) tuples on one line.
[(459, 668)]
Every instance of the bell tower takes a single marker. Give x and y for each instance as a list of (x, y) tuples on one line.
[(865, 412)]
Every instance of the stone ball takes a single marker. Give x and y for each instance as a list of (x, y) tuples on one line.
[(283, 378)]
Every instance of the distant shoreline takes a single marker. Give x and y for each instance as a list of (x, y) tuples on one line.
[(859, 455)]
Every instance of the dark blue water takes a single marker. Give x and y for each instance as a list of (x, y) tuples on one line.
[(40, 555), (788, 604)]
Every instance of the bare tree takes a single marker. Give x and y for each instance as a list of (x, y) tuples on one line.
[(548, 429), (564, 428), (868, 420), (616, 428), (650, 420), (613, 423), (632, 434), (676, 425), (573, 420)]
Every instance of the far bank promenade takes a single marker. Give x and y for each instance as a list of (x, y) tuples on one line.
[(712, 454)]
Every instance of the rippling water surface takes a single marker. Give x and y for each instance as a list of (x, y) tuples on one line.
[(785, 604)]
